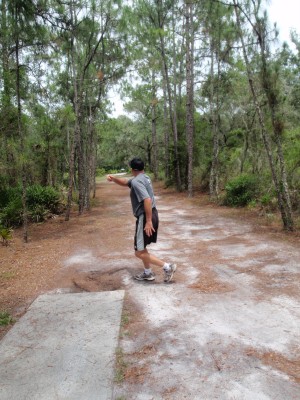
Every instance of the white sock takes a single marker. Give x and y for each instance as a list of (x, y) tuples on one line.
[(166, 266), (147, 271)]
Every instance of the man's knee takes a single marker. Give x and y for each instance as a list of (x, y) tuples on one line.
[(140, 254)]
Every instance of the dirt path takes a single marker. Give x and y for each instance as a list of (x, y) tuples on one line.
[(228, 327)]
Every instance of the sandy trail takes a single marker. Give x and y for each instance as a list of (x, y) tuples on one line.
[(227, 327)]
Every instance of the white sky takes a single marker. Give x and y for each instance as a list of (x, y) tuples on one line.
[(287, 15)]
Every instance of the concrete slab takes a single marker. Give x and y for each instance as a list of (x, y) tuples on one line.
[(62, 348)]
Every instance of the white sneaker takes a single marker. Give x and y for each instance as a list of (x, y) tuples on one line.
[(169, 272), (144, 277)]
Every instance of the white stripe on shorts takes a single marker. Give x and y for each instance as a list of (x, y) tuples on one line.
[(140, 245)]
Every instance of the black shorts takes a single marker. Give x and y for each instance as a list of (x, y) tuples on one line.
[(141, 240)]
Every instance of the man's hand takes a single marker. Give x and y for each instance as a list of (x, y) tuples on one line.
[(119, 181), (149, 228)]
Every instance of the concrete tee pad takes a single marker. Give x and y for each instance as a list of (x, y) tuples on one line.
[(62, 348)]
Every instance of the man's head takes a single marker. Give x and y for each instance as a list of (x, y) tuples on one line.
[(137, 164)]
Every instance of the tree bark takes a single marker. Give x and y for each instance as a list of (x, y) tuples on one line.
[(214, 108), (153, 128), (21, 130), (75, 139), (22, 149), (166, 134), (189, 92), (277, 125), (172, 107)]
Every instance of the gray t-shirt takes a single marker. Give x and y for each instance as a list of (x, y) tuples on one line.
[(141, 189)]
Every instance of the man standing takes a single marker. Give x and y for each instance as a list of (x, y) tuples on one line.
[(144, 209)]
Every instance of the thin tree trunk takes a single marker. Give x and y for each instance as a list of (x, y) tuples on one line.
[(277, 125), (90, 159), (166, 134), (93, 165), (81, 158), (214, 173), (189, 93), (284, 209), (172, 112), (21, 134), (6, 97), (153, 128), (71, 178), (181, 69), (175, 129), (76, 128), (79, 71)]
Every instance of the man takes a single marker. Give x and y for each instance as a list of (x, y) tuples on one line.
[(144, 209)]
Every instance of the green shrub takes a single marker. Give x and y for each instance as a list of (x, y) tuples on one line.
[(5, 235), (269, 202), (101, 172), (41, 200), (241, 190), (5, 318), (45, 196), (3, 197), (11, 215), (8, 194), (266, 199), (38, 213)]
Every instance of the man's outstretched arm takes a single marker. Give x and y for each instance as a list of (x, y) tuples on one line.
[(118, 181)]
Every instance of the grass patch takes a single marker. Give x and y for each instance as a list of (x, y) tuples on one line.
[(121, 366), (125, 319), (5, 318), (7, 275)]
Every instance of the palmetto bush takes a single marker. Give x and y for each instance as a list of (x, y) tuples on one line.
[(11, 214), (241, 190), (5, 235), (41, 201), (45, 196)]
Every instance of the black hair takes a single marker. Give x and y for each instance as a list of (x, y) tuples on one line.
[(137, 164)]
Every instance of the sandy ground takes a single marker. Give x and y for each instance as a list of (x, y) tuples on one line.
[(227, 327)]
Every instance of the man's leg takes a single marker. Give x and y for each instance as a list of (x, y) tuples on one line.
[(141, 252), (149, 259), (147, 274)]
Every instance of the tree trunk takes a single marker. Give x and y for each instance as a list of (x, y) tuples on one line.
[(6, 99), (284, 208), (76, 134), (189, 93), (80, 63), (214, 105), (20, 129), (81, 158), (7, 108), (277, 124), (153, 128), (172, 112), (90, 161), (166, 134), (71, 176), (22, 148)]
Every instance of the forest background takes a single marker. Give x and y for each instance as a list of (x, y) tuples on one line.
[(212, 103)]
